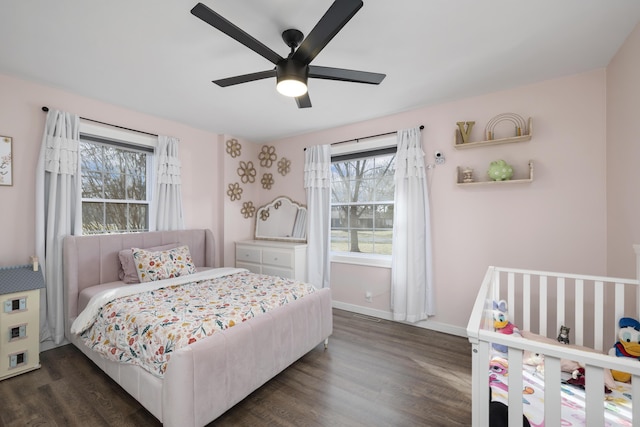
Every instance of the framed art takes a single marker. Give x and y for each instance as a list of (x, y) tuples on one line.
[(6, 169)]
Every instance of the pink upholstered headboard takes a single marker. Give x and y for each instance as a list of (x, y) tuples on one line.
[(92, 260)]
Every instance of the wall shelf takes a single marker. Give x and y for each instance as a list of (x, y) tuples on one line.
[(510, 181), (457, 139)]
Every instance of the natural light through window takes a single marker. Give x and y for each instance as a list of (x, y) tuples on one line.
[(362, 197), (115, 191)]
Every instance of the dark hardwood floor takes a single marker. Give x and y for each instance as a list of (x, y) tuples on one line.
[(373, 374)]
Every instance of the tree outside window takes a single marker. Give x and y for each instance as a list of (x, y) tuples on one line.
[(114, 188), (362, 198)]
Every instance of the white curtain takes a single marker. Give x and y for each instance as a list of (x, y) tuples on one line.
[(411, 263), (317, 182), (167, 201), (58, 211)]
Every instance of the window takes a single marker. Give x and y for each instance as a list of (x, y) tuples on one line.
[(362, 201), (115, 186)]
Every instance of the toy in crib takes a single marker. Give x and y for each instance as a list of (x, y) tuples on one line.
[(534, 359), (502, 324), (563, 336), (628, 345)]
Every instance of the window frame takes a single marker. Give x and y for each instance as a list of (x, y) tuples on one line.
[(370, 147), (122, 138)]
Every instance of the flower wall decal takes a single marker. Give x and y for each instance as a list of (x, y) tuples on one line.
[(248, 210), (284, 166), (267, 156), (234, 192), (247, 172), (233, 147), (264, 214), (267, 181)]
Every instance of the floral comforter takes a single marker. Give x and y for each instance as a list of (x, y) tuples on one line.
[(145, 328)]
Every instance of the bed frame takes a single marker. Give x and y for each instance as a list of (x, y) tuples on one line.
[(204, 379), (540, 302)]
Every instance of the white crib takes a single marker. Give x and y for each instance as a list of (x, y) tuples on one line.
[(540, 302)]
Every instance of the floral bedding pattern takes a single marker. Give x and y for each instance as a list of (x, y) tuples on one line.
[(146, 328), (161, 265)]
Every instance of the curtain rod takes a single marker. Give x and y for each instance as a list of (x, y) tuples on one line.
[(370, 136), (45, 109), (365, 137)]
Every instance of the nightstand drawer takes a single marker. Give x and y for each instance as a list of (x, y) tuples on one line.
[(244, 254), (284, 259), (254, 268), (279, 258), (274, 271)]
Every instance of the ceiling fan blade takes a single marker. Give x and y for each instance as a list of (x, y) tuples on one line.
[(304, 101), (215, 20), (230, 81), (340, 12), (341, 74)]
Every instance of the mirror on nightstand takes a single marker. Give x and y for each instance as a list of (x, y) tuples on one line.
[(282, 220)]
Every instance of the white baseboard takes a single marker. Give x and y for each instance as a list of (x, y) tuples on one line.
[(387, 315)]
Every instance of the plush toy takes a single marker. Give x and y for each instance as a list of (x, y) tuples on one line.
[(628, 345), (563, 336), (499, 170), (578, 379), (502, 324), (534, 359)]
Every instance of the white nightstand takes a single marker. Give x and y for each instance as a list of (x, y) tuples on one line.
[(282, 259)]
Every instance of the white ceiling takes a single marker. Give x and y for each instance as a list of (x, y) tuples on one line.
[(155, 57)]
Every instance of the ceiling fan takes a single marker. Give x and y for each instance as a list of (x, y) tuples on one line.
[(292, 72)]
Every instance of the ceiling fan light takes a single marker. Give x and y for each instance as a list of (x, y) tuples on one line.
[(291, 87), (291, 79)]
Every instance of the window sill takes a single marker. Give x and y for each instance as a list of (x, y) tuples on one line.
[(371, 260)]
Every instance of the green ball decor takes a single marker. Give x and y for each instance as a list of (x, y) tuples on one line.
[(499, 170)]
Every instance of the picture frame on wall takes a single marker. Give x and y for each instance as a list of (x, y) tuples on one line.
[(6, 164)]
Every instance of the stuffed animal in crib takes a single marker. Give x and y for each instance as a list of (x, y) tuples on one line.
[(628, 345), (534, 359), (502, 324), (563, 336)]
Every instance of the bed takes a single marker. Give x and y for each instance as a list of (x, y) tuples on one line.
[(199, 381), (547, 393)]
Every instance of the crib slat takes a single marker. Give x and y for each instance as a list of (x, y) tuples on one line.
[(526, 297), (594, 396), (543, 305), (552, 399), (496, 286), (479, 390), (511, 292), (635, 393), (559, 303), (515, 383), (579, 307), (598, 315), (619, 304)]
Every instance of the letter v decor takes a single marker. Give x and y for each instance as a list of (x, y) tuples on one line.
[(465, 130)]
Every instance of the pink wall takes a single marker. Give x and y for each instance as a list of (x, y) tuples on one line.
[(558, 222), (21, 117), (236, 226), (623, 157)]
